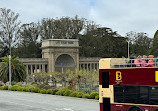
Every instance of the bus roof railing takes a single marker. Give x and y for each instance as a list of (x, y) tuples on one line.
[(141, 62)]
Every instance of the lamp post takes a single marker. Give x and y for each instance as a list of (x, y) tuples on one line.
[(9, 71), (128, 49)]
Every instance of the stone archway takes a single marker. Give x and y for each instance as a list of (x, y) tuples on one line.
[(64, 62)]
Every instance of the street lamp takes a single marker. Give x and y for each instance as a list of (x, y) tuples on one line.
[(9, 71), (128, 49)]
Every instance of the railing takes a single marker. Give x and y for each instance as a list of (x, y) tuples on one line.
[(143, 62)]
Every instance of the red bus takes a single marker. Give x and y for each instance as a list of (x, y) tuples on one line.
[(124, 87)]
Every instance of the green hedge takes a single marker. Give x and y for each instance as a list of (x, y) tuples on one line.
[(73, 94), (93, 94), (14, 88), (54, 91), (49, 91), (80, 94), (43, 91), (2, 87), (5, 87), (86, 96), (67, 92), (63, 92)]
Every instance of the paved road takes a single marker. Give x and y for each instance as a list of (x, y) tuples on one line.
[(23, 101)]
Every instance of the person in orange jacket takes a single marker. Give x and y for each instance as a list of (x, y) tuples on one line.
[(150, 62), (137, 61)]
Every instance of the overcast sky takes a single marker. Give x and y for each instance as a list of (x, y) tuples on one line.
[(121, 15)]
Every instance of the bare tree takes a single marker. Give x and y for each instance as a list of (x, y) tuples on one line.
[(9, 27)]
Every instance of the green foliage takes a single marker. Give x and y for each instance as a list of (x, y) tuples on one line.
[(49, 91), (2, 87), (86, 96), (58, 92), (28, 46), (35, 90), (23, 89), (62, 92), (43, 91), (73, 94), (109, 41), (27, 89), (14, 88), (154, 50), (67, 92), (80, 94), (54, 91), (93, 94), (5, 87), (97, 97), (9, 28), (139, 43), (18, 69)]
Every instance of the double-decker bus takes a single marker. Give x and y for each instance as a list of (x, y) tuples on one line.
[(125, 87)]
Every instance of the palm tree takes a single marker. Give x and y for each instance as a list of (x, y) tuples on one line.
[(17, 67)]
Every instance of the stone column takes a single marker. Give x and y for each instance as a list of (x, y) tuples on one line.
[(43, 67), (77, 59), (97, 66), (94, 67), (90, 66), (35, 68), (87, 67), (31, 69), (27, 72)]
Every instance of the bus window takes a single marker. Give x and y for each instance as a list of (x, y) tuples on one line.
[(143, 95), (130, 94), (105, 79), (154, 95), (118, 93)]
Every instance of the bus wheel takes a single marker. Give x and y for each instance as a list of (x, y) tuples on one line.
[(156, 110), (134, 109)]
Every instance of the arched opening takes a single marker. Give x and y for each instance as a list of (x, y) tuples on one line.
[(64, 62)]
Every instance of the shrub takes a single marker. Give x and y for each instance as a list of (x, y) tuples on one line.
[(93, 94), (97, 97), (2, 87), (67, 92), (62, 92), (58, 92), (54, 91), (73, 94), (79, 94), (19, 89), (14, 88), (43, 91), (35, 90), (49, 91), (5, 87), (27, 89), (86, 96), (23, 89)]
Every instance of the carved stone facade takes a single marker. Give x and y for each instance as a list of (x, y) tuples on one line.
[(60, 55)]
